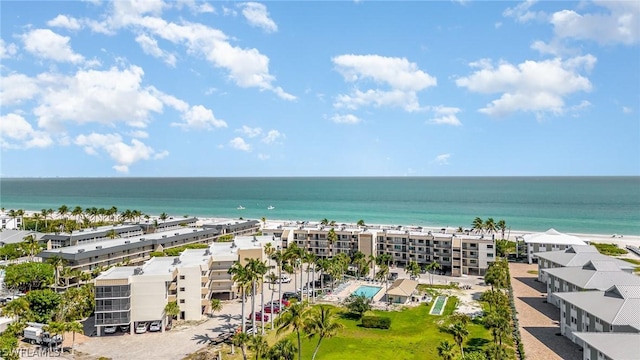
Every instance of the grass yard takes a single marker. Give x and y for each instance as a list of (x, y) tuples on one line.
[(414, 334), (609, 249)]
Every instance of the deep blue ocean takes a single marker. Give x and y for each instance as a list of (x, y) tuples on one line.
[(598, 205)]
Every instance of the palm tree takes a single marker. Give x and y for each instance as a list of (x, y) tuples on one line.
[(278, 257), (460, 333), (163, 217), (490, 225), (431, 268), (73, 327), (16, 308), (252, 268), (76, 212), (57, 263), (239, 276), (282, 350), (360, 223), (241, 340), (477, 225), (36, 218), (63, 211), (413, 269), (308, 258), (216, 306), (44, 214), (259, 345), (357, 260), (261, 270), (372, 262), (294, 317), (502, 226), (322, 323), (264, 222), (292, 255), (112, 234), (324, 221), (332, 237), (445, 350), (171, 310), (30, 246)]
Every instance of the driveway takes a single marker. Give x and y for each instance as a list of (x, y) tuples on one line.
[(538, 320)]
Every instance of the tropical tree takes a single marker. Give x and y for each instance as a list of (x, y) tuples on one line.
[(294, 318), (216, 306), (45, 215), (332, 237), (253, 271), (309, 258), (498, 321), (171, 310), (76, 212), (282, 350), (63, 211), (445, 350), (42, 304), (16, 308), (477, 225), (73, 327), (359, 260), (242, 340), (490, 225), (497, 274), (360, 222), (357, 304), (373, 262), (259, 345), (241, 279), (261, 270), (413, 269), (324, 221), (460, 333), (28, 276), (36, 217), (163, 217), (431, 268), (264, 221), (502, 226), (322, 323), (30, 246)]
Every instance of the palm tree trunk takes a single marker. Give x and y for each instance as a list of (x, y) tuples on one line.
[(313, 284), (315, 352), (244, 323), (253, 305), (299, 346), (279, 283), (262, 304), (280, 307)]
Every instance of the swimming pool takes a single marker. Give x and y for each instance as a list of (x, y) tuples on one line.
[(368, 291)]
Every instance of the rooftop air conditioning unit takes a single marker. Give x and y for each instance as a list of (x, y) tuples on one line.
[(80, 250), (98, 247), (127, 241), (137, 271), (164, 236), (176, 234)]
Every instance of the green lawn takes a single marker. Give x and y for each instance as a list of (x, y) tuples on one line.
[(414, 334)]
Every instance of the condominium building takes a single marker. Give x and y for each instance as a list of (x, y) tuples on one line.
[(457, 253), (91, 235), (9, 222), (594, 275), (613, 310), (550, 240), (126, 296), (574, 256)]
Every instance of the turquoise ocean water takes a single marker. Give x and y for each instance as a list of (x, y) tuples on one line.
[(599, 205)]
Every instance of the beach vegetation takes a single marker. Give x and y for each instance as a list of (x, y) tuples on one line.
[(361, 223), (176, 251), (609, 249)]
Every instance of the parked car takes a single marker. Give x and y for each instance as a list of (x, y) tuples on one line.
[(124, 328), (283, 279), (276, 308), (141, 327), (155, 326), (290, 295), (259, 316), (110, 329)]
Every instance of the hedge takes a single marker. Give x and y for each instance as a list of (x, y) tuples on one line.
[(376, 322)]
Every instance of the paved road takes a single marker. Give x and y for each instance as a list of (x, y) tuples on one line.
[(538, 319)]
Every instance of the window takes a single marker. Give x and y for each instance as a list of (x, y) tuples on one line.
[(181, 289), (181, 277), (490, 246), (181, 301), (490, 255)]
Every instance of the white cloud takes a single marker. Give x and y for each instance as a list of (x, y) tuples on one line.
[(264, 156), (272, 136), (404, 79), (16, 132), (258, 16), (106, 97), (536, 86), (442, 159), (238, 143), (7, 51), (618, 24), (16, 88), (66, 22), (46, 44), (150, 47), (123, 154), (345, 119), (229, 11), (138, 134), (199, 117), (522, 12), (246, 67), (249, 131), (445, 116), (196, 6), (627, 110)]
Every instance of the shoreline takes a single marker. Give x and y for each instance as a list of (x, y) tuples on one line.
[(620, 239)]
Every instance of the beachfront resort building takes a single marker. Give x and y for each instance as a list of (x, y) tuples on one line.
[(10, 222), (133, 250), (594, 275), (90, 235), (457, 253), (550, 240), (129, 295), (575, 256), (614, 310)]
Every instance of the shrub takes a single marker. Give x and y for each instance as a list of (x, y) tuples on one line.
[(156, 254), (609, 249), (376, 322)]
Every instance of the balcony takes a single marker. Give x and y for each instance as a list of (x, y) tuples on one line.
[(173, 286), (204, 279), (204, 291), (172, 298)]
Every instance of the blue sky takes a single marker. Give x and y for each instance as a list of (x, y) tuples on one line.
[(447, 88)]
